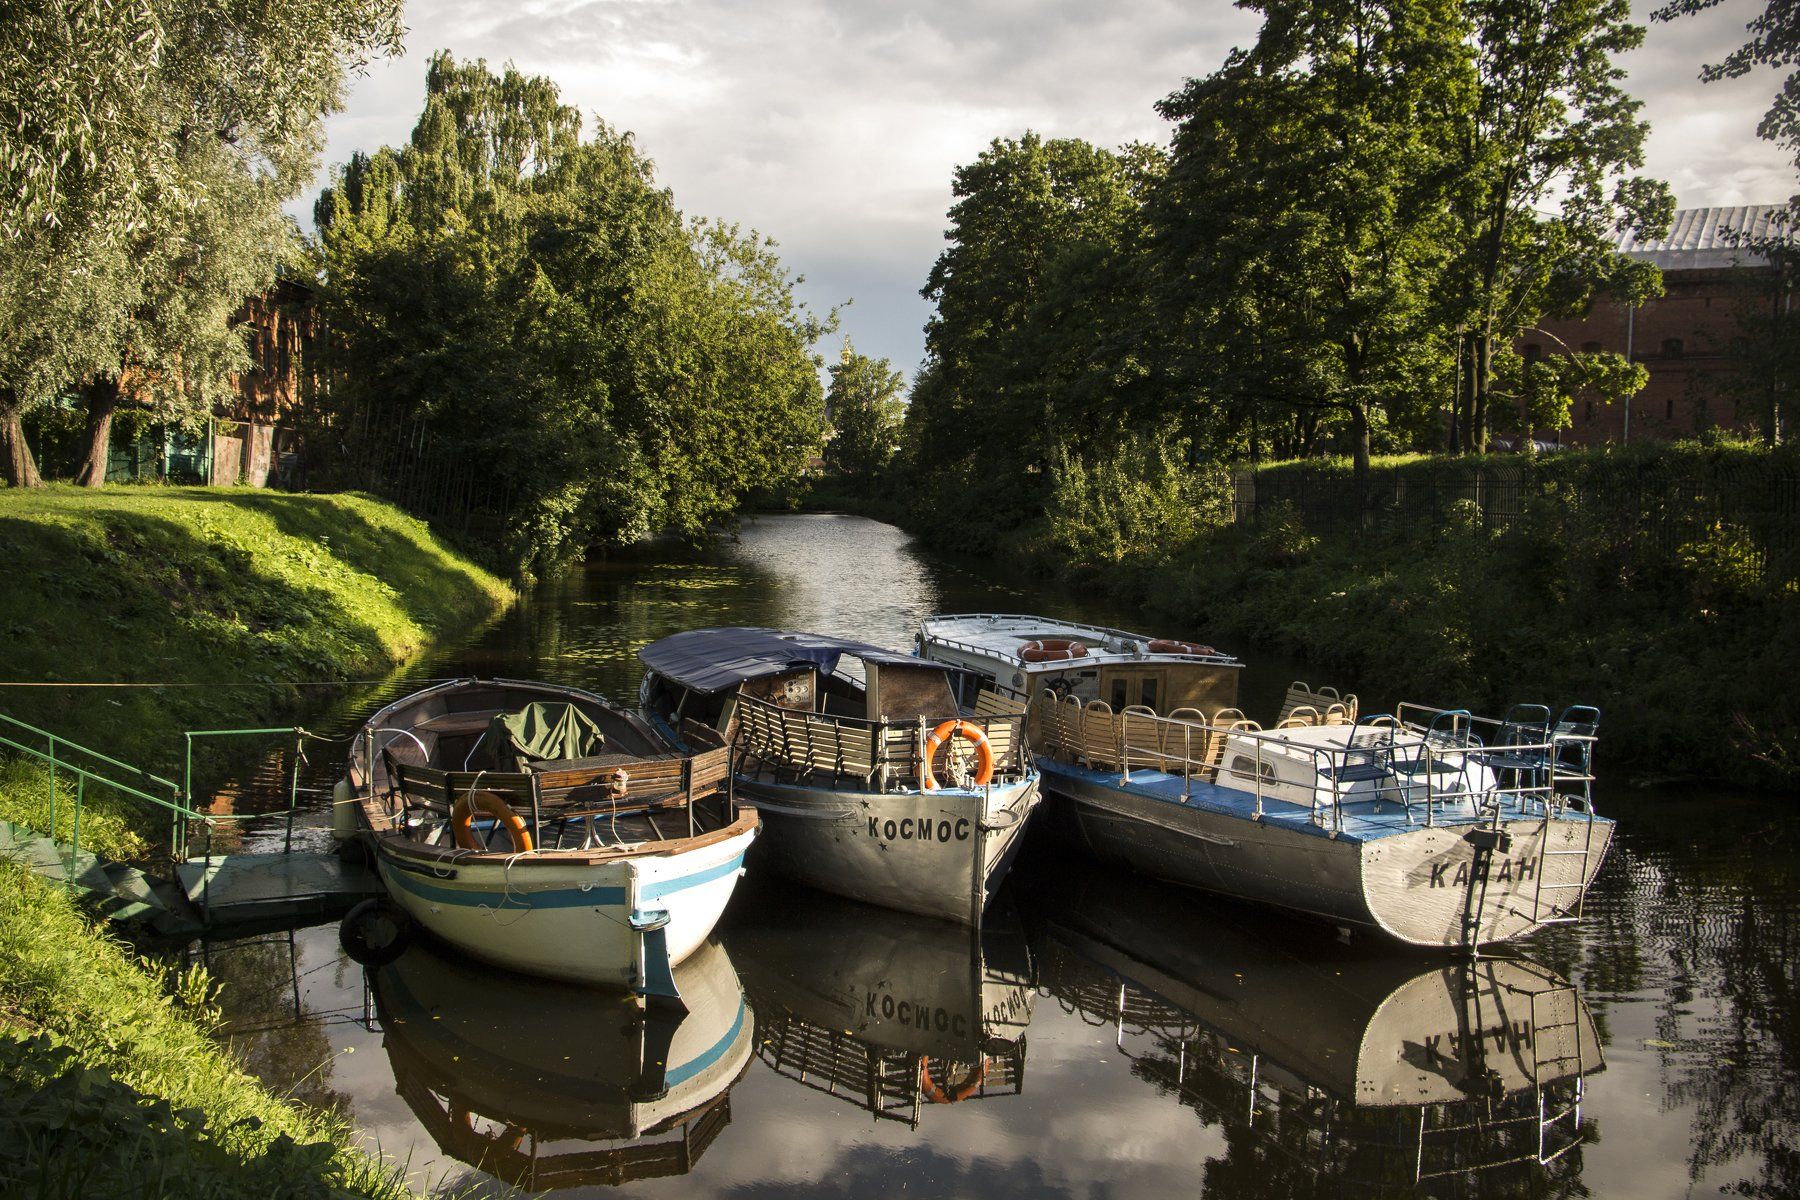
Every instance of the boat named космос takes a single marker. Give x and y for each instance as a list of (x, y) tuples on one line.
[(882, 788)]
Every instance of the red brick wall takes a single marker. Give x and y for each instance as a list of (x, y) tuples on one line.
[(1691, 384)]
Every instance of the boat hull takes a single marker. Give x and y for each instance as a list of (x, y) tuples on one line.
[(569, 921), (938, 854), (1427, 886)]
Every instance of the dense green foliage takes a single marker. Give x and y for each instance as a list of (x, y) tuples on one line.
[(1350, 228), (110, 1084), (534, 301), (1616, 585), (866, 404), (146, 149), (230, 594)]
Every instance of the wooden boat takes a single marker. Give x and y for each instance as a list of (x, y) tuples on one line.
[(547, 1085), (893, 1012), (1350, 1072), (543, 829), (1433, 826), (882, 787)]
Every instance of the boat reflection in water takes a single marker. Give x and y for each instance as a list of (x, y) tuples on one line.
[(547, 1085), (890, 1011), (1335, 1070)]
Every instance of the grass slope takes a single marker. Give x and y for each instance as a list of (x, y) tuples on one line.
[(111, 1085), (217, 586)]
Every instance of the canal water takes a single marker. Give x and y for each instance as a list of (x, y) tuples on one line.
[(1105, 1036)]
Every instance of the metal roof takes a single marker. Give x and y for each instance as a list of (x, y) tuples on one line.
[(1709, 238), (711, 660)]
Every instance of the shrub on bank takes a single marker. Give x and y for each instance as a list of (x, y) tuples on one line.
[(1658, 582)]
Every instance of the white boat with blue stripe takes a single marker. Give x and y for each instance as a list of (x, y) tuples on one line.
[(543, 829)]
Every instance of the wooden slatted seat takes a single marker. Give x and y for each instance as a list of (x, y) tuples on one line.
[(1320, 700), (1099, 734)]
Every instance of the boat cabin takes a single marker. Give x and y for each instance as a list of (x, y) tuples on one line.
[(806, 704), (1026, 655)]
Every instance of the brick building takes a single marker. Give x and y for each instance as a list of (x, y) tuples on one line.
[(1690, 339)]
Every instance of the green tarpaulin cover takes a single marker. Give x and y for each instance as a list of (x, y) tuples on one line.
[(545, 730)]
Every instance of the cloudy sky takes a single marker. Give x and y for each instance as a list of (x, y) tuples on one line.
[(834, 128)]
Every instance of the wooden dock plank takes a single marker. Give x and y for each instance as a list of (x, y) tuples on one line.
[(291, 888)]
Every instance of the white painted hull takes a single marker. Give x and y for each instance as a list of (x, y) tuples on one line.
[(568, 921), (937, 854)]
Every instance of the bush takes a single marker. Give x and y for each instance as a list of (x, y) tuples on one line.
[(1135, 502)]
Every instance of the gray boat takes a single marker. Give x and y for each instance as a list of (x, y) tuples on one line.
[(1433, 826), (872, 780)]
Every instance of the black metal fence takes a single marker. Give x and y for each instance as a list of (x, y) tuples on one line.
[(1664, 503), (380, 449)]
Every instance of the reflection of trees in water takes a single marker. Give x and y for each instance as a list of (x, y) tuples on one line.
[(286, 1047), (1716, 926)]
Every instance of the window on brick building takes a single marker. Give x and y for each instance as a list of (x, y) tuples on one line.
[(1533, 352), (1589, 411), (1590, 347), (1669, 409), (1671, 347)]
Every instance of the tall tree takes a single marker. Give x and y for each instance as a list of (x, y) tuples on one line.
[(866, 405), (537, 304), (146, 147), (1300, 233), (988, 407), (1549, 131)]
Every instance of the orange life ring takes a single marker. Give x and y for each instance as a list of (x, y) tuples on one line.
[(1168, 646), (462, 820), (1051, 650), (968, 1087), (984, 753)]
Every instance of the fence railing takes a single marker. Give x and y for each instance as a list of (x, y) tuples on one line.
[(1663, 505), (882, 754), (1433, 763)]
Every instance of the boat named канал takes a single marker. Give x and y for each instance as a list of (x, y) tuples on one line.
[(884, 788), (543, 829), (1430, 825)]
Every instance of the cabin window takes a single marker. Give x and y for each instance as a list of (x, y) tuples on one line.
[(1244, 767), (1120, 697), (1148, 696)]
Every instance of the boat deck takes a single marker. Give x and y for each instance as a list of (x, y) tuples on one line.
[(1362, 820)]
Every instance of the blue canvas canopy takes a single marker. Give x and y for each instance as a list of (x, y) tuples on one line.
[(712, 660)]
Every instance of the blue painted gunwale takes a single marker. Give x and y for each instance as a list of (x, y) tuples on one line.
[(593, 897)]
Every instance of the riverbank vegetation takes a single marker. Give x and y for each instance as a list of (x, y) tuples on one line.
[(573, 355), (227, 595), (1661, 584), (112, 1085)]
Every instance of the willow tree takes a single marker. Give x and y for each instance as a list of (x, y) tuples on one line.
[(530, 297), (146, 148)]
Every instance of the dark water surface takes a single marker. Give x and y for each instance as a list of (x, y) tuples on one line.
[(1107, 1036)]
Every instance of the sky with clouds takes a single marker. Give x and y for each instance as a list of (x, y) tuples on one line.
[(835, 127)]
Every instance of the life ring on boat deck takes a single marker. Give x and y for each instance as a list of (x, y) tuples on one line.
[(1170, 646), (1051, 650), (462, 820), (984, 752), (968, 1087)]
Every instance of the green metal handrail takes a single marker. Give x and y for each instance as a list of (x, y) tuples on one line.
[(57, 753)]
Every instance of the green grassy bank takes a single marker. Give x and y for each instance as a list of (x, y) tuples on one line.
[(215, 587), (110, 1083)]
